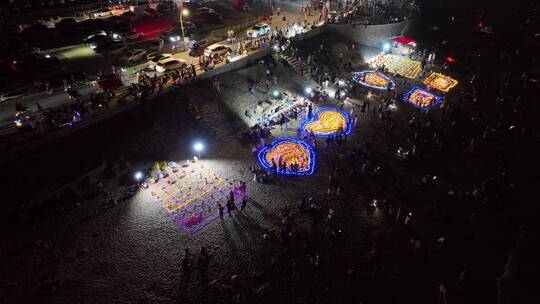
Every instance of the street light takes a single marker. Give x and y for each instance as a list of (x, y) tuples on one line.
[(309, 91), (183, 12), (386, 46), (138, 176), (198, 147)]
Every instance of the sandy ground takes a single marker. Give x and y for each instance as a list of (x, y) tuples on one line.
[(82, 247)]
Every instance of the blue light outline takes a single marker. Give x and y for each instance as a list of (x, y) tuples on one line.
[(436, 102), (346, 132), (312, 157), (390, 81)]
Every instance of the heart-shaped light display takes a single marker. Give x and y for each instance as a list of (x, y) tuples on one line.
[(421, 98), (326, 122), (297, 156), (374, 80)]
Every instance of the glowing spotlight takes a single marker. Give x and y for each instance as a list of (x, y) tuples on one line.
[(308, 90), (198, 147), (386, 46), (342, 93), (138, 175), (47, 56), (275, 93)]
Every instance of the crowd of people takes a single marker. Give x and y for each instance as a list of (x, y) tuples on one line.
[(484, 128), (366, 12)]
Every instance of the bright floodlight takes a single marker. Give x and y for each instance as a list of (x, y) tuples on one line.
[(138, 175), (308, 90), (386, 47), (185, 12), (275, 93), (198, 147)]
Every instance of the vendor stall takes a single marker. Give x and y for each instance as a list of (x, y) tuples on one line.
[(403, 45)]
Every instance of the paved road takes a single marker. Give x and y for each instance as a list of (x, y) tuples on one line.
[(58, 98), (84, 59)]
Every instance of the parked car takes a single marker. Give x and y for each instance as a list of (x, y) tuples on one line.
[(97, 33), (66, 24), (97, 40), (165, 7), (208, 15), (174, 35), (150, 12), (170, 64), (80, 16), (259, 30), (102, 13), (191, 5), (135, 55), (94, 24), (152, 54), (203, 10), (129, 15), (189, 27), (153, 62), (217, 49), (132, 35), (49, 21), (112, 48), (197, 49), (12, 94)]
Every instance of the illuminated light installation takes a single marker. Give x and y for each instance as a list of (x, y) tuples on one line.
[(421, 98), (373, 80), (326, 122), (191, 199), (440, 82), (396, 64), (291, 151)]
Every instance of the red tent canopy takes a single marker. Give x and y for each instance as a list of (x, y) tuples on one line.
[(404, 40)]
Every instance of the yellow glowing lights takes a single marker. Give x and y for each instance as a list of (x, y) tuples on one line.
[(289, 153), (328, 122), (396, 64), (375, 79), (421, 99), (440, 82)]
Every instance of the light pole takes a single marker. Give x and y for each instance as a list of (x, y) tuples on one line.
[(183, 12), (198, 147), (138, 176)]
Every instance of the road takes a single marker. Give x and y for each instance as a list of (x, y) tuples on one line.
[(84, 59)]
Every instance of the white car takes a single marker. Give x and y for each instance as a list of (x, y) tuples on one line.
[(134, 55), (151, 54), (102, 13), (216, 49), (155, 59), (170, 64), (259, 30)]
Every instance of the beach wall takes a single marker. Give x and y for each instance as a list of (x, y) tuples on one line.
[(371, 35)]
